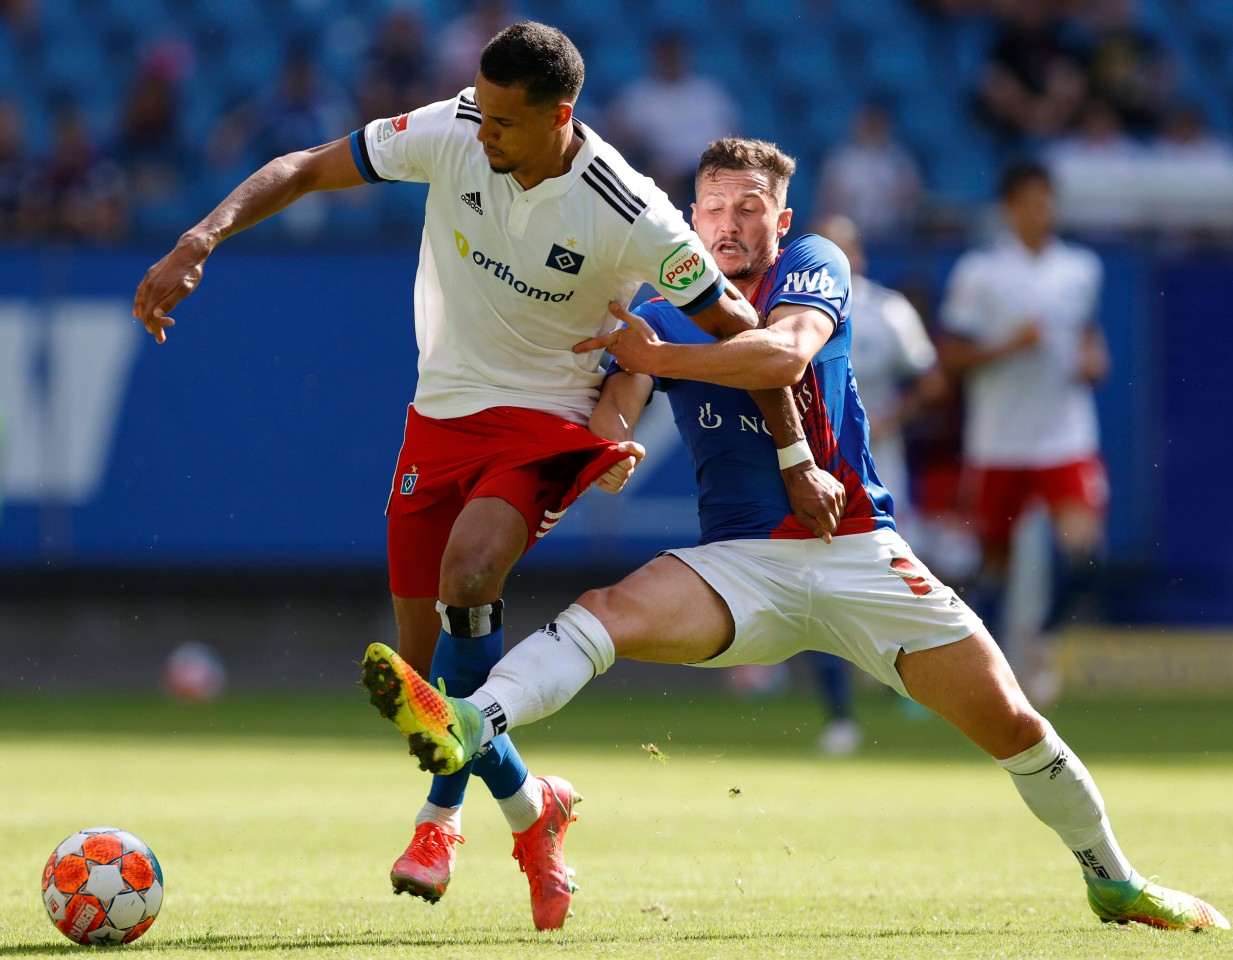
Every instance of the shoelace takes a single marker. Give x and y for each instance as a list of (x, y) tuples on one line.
[(522, 854), (433, 845)]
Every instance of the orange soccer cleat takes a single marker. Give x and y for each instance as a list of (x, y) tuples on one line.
[(539, 853), (424, 869)]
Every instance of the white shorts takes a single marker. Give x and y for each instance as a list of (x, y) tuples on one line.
[(864, 597)]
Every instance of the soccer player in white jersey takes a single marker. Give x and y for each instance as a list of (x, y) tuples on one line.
[(1021, 331), (758, 590), (533, 224)]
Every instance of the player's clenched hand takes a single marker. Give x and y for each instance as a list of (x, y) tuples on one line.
[(167, 283), (617, 475), (818, 499), (632, 345)]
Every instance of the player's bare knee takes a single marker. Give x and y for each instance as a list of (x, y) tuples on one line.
[(597, 601), (472, 581), (609, 605), (1079, 530), (1025, 728)]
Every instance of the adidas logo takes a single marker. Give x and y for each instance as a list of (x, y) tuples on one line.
[(472, 200), (494, 713)]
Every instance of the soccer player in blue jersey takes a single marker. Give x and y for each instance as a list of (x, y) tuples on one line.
[(760, 588)]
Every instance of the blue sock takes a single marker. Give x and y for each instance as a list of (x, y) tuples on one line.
[(463, 661), (833, 677), (986, 596), (1074, 576)]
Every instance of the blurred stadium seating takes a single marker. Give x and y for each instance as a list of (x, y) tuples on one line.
[(800, 69), (838, 53)]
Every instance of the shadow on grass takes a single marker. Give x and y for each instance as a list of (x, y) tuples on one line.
[(223, 943)]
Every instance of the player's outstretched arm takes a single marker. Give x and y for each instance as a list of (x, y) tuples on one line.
[(729, 315), (276, 185), (621, 402), (960, 355), (774, 356), (1093, 364), (817, 498)]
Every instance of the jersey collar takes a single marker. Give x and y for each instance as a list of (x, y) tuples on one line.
[(554, 187)]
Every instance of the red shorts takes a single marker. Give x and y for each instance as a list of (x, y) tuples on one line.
[(996, 496), (534, 461)]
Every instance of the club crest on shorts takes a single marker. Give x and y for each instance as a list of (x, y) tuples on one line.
[(409, 481)]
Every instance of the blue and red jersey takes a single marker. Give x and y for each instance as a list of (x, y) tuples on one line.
[(741, 495)]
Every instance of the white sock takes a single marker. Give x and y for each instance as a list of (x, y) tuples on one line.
[(448, 817), (544, 672), (1056, 786), (525, 806)]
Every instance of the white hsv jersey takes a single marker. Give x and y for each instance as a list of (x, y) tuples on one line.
[(890, 348), (510, 279), (889, 344), (1032, 409)]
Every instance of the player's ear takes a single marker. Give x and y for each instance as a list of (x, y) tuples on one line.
[(693, 216), (563, 113), (784, 222)]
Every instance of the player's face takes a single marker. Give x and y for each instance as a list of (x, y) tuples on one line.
[(740, 221), (1030, 211), (516, 136)]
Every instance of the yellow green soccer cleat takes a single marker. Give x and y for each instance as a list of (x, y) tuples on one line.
[(443, 733), (1145, 901)]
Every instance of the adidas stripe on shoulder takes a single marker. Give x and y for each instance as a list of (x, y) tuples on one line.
[(467, 110), (604, 180)]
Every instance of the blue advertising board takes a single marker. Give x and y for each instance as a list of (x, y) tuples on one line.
[(264, 432)]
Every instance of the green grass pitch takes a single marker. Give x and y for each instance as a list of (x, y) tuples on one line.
[(276, 821)]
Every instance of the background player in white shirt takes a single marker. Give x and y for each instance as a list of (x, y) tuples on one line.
[(532, 226), (898, 376), (1021, 331), (756, 590)]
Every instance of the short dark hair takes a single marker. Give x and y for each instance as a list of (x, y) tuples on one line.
[(537, 57), (740, 153), (1019, 173)]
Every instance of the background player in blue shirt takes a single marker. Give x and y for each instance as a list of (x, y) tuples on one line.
[(759, 587)]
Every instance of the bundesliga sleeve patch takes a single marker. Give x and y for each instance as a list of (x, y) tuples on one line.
[(681, 267), (390, 127)]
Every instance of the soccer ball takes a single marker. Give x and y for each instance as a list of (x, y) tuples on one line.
[(102, 885), (194, 673)]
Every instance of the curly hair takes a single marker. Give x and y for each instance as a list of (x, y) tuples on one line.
[(537, 57)]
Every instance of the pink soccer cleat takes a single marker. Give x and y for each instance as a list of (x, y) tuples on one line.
[(538, 850), (424, 869)]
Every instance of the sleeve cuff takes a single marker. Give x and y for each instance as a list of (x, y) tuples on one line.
[(359, 153), (705, 298)]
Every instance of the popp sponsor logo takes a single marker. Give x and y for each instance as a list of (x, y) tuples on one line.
[(681, 267)]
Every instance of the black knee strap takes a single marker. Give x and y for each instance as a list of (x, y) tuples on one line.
[(471, 622)]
